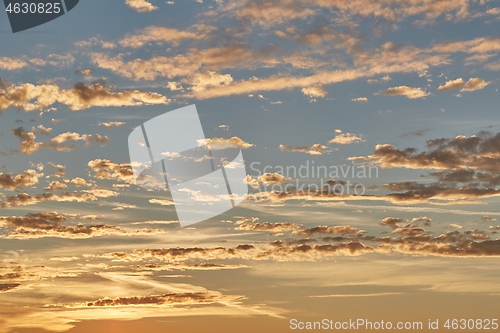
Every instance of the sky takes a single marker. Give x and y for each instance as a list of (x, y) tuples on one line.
[(371, 143)]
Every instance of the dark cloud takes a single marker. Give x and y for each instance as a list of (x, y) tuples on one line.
[(14, 182), (28, 145), (52, 224), (415, 192)]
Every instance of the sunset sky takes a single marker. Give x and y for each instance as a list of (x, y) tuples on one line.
[(397, 99)]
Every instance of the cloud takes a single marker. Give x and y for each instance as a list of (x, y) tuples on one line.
[(56, 185), (270, 13), (252, 181), (494, 66), (360, 99), (471, 85), (356, 295), (471, 243), (166, 300), (401, 193), (105, 169), (477, 152), (51, 224), (266, 226), (29, 97), (202, 81), (274, 251), (162, 202), (415, 133), (24, 199), (169, 299), (165, 35), (477, 45), (222, 143), (185, 267), (269, 178), (156, 222), (17, 273), (453, 84), (399, 9), (139, 69), (12, 64), (8, 286), (346, 139), (381, 80), (415, 192), (55, 60), (79, 182), (59, 170), (426, 221), (102, 193), (315, 149), (336, 230), (84, 72), (89, 217), (64, 259), (199, 68), (142, 6), (410, 92), (28, 145), (316, 91), (13, 182), (374, 62), (112, 124), (43, 130), (392, 222), (475, 83)]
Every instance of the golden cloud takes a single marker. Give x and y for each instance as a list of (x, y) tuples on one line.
[(29, 97)]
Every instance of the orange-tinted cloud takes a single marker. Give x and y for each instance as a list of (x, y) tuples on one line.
[(52, 224), (12, 182), (29, 97), (315, 149), (409, 92), (142, 6), (28, 145)]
